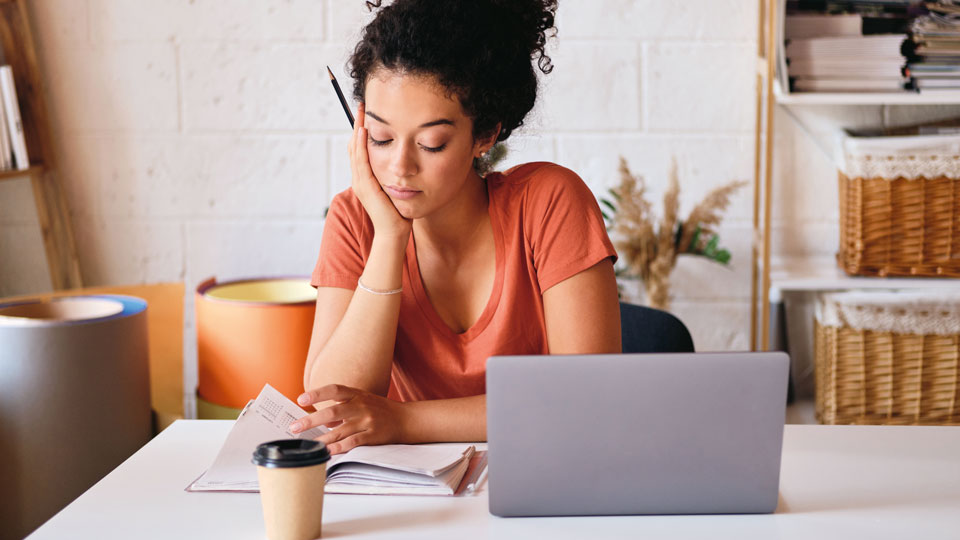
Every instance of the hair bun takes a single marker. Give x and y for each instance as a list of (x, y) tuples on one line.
[(527, 22), (531, 22), (480, 50)]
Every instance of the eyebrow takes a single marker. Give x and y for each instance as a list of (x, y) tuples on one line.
[(438, 122)]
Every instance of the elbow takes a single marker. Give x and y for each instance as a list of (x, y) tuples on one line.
[(308, 369)]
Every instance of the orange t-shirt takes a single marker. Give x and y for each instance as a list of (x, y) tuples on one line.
[(547, 227)]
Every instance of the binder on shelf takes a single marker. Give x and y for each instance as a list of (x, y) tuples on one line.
[(14, 123), (6, 150)]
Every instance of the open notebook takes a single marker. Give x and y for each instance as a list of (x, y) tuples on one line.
[(394, 469)]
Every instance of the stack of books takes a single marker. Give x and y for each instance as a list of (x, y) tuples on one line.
[(853, 46), (13, 144), (935, 48)]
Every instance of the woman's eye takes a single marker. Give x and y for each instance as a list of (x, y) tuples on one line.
[(433, 148), (375, 142)]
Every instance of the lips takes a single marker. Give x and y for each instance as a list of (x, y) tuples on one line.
[(403, 193)]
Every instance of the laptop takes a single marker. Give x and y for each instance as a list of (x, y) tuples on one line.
[(613, 434)]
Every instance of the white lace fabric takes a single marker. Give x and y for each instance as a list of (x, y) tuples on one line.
[(912, 158), (930, 312)]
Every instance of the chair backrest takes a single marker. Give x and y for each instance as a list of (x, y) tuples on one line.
[(649, 330)]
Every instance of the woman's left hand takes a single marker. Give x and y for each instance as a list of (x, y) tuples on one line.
[(357, 418)]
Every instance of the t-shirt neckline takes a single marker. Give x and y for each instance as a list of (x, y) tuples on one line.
[(420, 291)]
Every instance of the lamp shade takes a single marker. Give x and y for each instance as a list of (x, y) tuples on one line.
[(251, 332)]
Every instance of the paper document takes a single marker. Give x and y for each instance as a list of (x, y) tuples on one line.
[(442, 469)]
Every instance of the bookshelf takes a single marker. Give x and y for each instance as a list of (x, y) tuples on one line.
[(822, 274), (19, 51), (804, 274), (865, 98)]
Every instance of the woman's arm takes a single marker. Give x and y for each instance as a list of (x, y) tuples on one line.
[(371, 419), (354, 331), (582, 312), (582, 316)]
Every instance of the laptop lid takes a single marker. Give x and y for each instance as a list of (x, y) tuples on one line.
[(690, 433)]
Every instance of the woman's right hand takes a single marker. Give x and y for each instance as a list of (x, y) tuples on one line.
[(386, 219)]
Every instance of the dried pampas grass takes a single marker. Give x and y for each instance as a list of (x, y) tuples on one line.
[(649, 247)]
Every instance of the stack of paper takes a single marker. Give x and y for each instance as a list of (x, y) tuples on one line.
[(395, 469), (846, 46), (400, 469), (849, 63), (936, 48)]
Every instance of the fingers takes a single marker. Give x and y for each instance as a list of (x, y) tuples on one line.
[(352, 145), (340, 432), (329, 416), (363, 158), (330, 392), (344, 438), (364, 181), (362, 161), (348, 443)]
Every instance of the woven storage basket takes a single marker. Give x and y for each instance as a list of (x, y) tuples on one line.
[(888, 358), (900, 205)]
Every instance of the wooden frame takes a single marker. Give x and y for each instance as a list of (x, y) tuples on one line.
[(53, 214)]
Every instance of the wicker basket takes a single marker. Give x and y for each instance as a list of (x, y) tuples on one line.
[(900, 205), (887, 374)]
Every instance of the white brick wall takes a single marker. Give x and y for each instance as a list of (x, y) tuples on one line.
[(202, 138)]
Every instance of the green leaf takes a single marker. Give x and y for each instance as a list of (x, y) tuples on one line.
[(615, 195), (722, 257), (608, 204), (694, 246), (712, 245)]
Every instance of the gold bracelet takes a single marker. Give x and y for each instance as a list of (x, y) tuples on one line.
[(377, 291)]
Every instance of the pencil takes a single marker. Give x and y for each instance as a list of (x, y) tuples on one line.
[(343, 101)]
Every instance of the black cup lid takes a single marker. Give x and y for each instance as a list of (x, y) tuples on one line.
[(287, 453)]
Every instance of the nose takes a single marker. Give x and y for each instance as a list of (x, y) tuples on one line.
[(403, 162)]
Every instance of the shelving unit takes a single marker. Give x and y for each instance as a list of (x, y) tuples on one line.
[(822, 274), (866, 98), (803, 274), (19, 51)]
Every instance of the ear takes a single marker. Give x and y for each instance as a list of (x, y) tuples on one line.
[(483, 145)]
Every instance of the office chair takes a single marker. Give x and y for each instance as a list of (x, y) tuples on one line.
[(649, 330)]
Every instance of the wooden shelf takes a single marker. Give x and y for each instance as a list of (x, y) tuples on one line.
[(822, 274), (19, 51), (10, 175), (864, 98)]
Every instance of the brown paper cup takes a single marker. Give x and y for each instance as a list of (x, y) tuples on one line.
[(292, 501), (291, 493)]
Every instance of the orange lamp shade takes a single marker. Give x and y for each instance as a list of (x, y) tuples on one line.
[(252, 332)]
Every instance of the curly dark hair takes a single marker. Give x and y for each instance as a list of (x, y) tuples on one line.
[(480, 50)]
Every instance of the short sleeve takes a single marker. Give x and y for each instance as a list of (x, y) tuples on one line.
[(564, 225), (344, 246)]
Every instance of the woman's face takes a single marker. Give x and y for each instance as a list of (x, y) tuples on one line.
[(420, 142)]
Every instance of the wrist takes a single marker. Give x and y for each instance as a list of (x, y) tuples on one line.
[(393, 240), (404, 418)]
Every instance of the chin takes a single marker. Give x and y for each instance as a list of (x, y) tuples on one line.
[(406, 211)]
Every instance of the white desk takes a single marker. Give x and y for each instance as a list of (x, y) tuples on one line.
[(840, 482)]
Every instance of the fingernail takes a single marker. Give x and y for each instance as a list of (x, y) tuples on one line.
[(303, 399), (295, 427)]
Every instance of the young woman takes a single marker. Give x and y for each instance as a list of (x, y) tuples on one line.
[(426, 267)]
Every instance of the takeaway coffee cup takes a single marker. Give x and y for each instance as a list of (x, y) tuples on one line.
[(292, 473)]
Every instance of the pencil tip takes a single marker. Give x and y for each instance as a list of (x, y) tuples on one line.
[(330, 72)]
